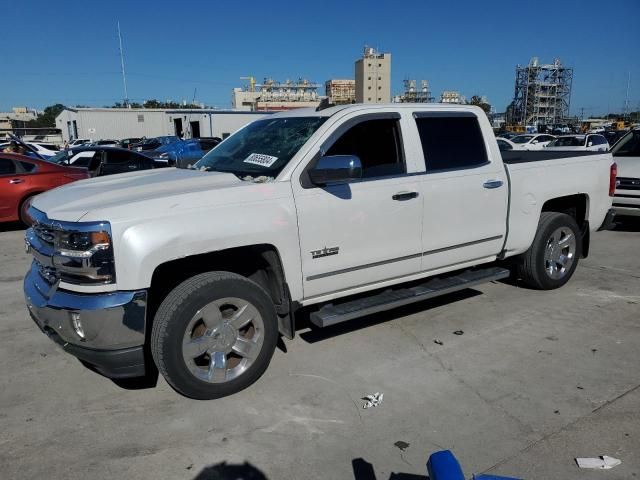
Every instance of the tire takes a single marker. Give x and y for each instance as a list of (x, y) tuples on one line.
[(200, 341), (22, 211), (553, 256)]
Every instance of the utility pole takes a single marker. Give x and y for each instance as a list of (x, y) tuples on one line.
[(124, 78), (626, 100)]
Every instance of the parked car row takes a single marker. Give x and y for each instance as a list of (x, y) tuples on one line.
[(27, 168), (595, 143), (22, 178)]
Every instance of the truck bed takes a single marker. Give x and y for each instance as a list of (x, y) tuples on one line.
[(525, 156)]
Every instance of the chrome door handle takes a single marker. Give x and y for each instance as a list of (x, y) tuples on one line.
[(400, 196), (13, 181), (492, 184)]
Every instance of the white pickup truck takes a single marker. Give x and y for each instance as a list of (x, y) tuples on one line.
[(346, 211)]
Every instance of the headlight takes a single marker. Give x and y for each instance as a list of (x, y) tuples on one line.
[(82, 244), (84, 257)]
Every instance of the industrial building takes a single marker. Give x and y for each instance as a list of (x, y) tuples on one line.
[(340, 91), (542, 94), (412, 94), (272, 95), (16, 118), (118, 123), (451, 96), (373, 77)]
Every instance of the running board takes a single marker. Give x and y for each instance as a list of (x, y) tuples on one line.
[(434, 287)]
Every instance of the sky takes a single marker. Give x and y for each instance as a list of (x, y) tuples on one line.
[(66, 51)]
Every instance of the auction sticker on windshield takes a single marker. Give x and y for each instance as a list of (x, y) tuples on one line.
[(261, 159)]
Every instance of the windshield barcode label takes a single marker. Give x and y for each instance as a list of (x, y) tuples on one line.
[(261, 159)]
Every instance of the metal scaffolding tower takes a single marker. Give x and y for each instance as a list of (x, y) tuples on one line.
[(542, 94), (411, 93)]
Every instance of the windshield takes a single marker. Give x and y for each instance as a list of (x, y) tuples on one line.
[(628, 146), (168, 147), (567, 142), (60, 157), (262, 148), (522, 138)]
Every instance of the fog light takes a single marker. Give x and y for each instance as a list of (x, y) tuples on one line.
[(77, 325)]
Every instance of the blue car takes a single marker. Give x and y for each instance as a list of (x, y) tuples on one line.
[(183, 153)]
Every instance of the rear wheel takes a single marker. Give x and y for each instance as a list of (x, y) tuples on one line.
[(214, 335), (553, 256), (23, 212)]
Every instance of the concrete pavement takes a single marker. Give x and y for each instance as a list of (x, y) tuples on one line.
[(536, 379)]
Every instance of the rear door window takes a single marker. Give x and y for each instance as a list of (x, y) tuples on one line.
[(451, 143), (28, 166), (7, 167)]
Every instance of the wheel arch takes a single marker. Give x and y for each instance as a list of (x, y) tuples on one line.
[(576, 206), (260, 263), (24, 198)]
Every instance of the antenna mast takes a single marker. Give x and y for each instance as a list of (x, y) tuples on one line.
[(124, 78), (626, 99)]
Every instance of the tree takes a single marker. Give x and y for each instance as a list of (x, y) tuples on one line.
[(48, 118), (480, 102)]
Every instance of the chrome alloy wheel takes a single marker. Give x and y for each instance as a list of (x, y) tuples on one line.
[(223, 339), (560, 253)]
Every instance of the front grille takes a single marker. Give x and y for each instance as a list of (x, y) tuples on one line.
[(628, 183), (44, 233)]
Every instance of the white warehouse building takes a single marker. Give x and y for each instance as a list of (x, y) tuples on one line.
[(119, 123)]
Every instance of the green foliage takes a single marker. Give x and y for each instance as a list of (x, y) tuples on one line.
[(477, 100), (48, 118)]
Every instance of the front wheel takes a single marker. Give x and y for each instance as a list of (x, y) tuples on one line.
[(23, 212), (214, 335), (553, 256)]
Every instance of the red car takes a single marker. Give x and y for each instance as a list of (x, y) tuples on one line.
[(23, 177)]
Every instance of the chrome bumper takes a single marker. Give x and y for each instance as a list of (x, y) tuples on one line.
[(110, 320)]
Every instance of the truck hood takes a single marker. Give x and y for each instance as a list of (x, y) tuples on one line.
[(122, 195)]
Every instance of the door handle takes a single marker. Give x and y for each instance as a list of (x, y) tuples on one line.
[(13, 181), (492, 184), (401, 196)]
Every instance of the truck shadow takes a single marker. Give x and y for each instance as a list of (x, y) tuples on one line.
[(229, 471), (627, 224), (11, 227), (363, 470), (314, 334)]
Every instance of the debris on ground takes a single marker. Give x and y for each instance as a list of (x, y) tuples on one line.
[(401, 445), (458, 332), (602, 462), (439, 342), (373, 400)]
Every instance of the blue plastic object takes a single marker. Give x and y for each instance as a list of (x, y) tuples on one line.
[(444, 466)]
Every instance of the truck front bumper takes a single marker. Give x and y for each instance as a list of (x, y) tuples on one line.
[(104, 330)]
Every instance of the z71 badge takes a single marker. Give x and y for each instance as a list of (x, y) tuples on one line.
[(325, 252)]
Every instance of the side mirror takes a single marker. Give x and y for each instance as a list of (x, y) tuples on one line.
[(590, 144), (336, 169), (534, 141)]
